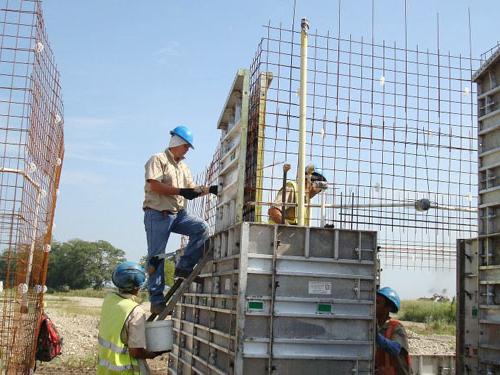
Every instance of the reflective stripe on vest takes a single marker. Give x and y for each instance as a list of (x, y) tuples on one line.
[(114, 356), (111, 346), (112, 367)]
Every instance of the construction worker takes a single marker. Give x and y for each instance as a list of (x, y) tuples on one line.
[(392, 356), (122, 331), (315, 183), (168, 185)]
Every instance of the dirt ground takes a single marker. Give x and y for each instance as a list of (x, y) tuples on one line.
[(77, 319)]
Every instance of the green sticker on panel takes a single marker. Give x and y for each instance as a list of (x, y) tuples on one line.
[(324, 308), (256, 305), (474, 312)]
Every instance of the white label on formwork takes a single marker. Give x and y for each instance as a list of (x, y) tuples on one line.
[(227, 284), (320, 287)]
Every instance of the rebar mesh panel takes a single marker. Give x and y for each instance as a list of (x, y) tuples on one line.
[(387, 126), (205, 207), (31, 153)]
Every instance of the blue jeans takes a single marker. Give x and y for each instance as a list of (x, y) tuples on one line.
[(158, 227)]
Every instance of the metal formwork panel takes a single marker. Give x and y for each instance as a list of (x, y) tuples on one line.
[(233, 123), (467, 307), (282, 300), (488, 82), (435, 364)]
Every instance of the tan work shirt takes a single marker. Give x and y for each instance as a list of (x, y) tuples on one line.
[(162, 167), (134, 330)]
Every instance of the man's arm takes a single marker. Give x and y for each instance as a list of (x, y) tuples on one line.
[(141, 353), (188, 193), (161, 188)]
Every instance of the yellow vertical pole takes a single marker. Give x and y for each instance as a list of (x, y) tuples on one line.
[(301, 186)]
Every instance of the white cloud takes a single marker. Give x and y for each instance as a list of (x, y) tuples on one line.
[(81, 178), (88, 123), (100, 159), (170, 50), (93, 146)]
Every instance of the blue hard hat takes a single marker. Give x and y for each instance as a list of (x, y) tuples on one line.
[(128, 276), (391, 295), (183, 132)]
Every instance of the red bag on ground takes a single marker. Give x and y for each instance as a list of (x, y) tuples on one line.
[(49, 343)]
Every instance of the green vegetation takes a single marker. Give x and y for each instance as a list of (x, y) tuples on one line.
[(79, 264), (77, 362), (169, 272), (438, 317), (88, 292), (92, 293), (71, 363), (71, 307)]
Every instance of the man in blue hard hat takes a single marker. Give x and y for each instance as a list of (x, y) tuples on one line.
[(122, 327), (392, 356), (168, 183)]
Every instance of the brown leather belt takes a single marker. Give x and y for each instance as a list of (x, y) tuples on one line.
[(164, 212)]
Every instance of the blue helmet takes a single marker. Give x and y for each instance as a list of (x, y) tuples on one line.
[(183, 132), (391, 295), (128, 276)]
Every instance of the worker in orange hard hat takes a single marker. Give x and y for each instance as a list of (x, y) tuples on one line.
[(392, 356)]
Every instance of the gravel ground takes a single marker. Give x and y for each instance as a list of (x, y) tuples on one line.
[(80, 338), (428, 344)]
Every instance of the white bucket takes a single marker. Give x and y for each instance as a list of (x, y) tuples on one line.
[(159, 335)]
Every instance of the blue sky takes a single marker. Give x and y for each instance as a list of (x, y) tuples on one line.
[(132, 70)]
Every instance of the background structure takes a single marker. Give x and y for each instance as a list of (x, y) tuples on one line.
[(32, 148), (391, 127)]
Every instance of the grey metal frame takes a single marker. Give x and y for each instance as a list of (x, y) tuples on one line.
[(488, 86), (280, 300)]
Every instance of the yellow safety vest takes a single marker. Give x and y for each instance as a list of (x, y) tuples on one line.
[(292, 185), (114, 357)]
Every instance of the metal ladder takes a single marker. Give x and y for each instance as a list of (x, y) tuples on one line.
[(180, 286)]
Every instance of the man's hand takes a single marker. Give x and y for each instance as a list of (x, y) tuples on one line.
[(156, 354), (189, 193), (141, 353), (213, 189), (197, 191), (390, 346)]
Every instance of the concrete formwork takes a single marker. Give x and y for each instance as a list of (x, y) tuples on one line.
[(488, 84), (281, 300)]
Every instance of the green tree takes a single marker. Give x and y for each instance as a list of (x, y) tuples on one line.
[(81, 264), (7, 257), (169, 272)]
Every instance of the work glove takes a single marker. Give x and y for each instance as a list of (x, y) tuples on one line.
[(213, 189), (189, 193), (390, 346)]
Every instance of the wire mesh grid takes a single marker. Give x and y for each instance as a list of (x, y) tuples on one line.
[(389, 127), (32, 147), (205, 207)]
